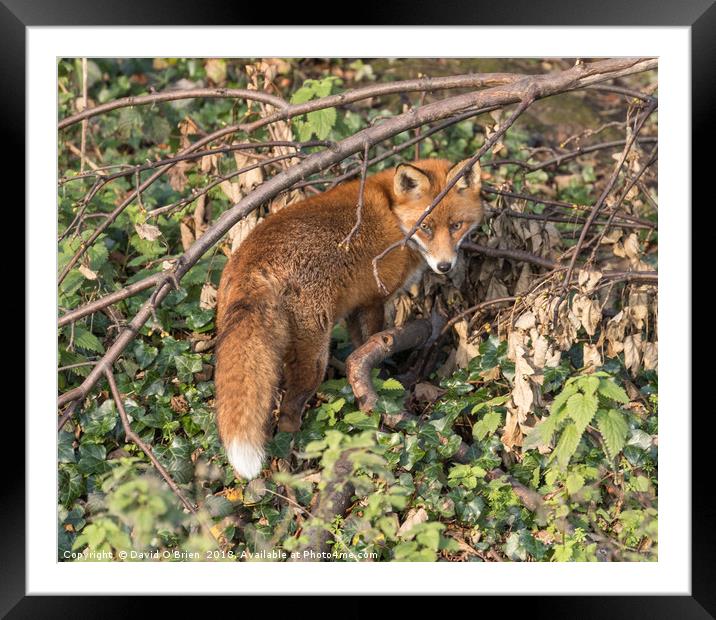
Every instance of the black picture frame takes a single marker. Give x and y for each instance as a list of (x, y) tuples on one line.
[(700, 15)]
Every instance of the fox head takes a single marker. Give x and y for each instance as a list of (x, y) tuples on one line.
[(440, 234)]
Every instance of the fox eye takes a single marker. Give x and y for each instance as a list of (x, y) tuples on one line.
[(455, 226), (425, 227)]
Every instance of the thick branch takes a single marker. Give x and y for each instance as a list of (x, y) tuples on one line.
[(377, 348), (373, 352), (424, 84)]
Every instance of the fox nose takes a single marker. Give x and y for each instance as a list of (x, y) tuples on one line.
[(444, 267)]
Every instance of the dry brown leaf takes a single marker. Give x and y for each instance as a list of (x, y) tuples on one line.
[(612, 236), (207, 299), (540, 346), (522, 394), (588, 280), (632, 353), (638, 308), (631, 246), (427, 392), (414, 517), (401, 310), (147, 231), (592, 356), (527, 321), (216, 70), (202, 215), (239, 231), (231, 190), (251, 179), (187, 235), (524, 282), (87, 272), (588, 313), (512, 434), (177, 176), (650, 352), (465, 350)]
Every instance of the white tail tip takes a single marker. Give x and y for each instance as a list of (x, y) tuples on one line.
[(245, 458)]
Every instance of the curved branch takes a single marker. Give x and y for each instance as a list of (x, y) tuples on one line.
[(173, 95)]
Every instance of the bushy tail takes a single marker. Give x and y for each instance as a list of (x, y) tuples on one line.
[(252, 338)]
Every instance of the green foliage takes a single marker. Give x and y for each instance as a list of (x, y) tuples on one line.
[(319, 122), (573, 409)]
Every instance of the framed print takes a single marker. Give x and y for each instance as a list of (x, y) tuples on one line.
[(357, 309)]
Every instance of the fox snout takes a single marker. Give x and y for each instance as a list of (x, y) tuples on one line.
[(445, 266), (442, 264)]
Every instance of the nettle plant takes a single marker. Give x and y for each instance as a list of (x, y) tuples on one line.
[(583, 400)]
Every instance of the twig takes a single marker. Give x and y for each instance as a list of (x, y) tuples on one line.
[(112, 298), (521, 255), (605, 192), (146, 448), (377, 348), (83, 139), (359, 207), (615, 209), (481, 306)]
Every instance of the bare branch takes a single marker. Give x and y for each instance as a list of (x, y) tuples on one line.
[(174, 95)]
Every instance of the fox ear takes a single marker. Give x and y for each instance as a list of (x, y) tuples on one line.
[(470, 180), (410, 182)]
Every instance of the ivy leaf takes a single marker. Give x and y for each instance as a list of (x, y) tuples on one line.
[(65, 451), (92, 459), (70, 484), (144, 353), (487, 425), (187, 365), (614, 428)]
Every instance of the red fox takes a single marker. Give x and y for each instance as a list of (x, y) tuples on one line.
[(291, 279)]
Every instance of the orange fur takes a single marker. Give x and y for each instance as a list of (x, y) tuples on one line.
[(291, 280)]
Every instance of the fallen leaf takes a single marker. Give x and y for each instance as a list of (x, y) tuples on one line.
[(414, 517)]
